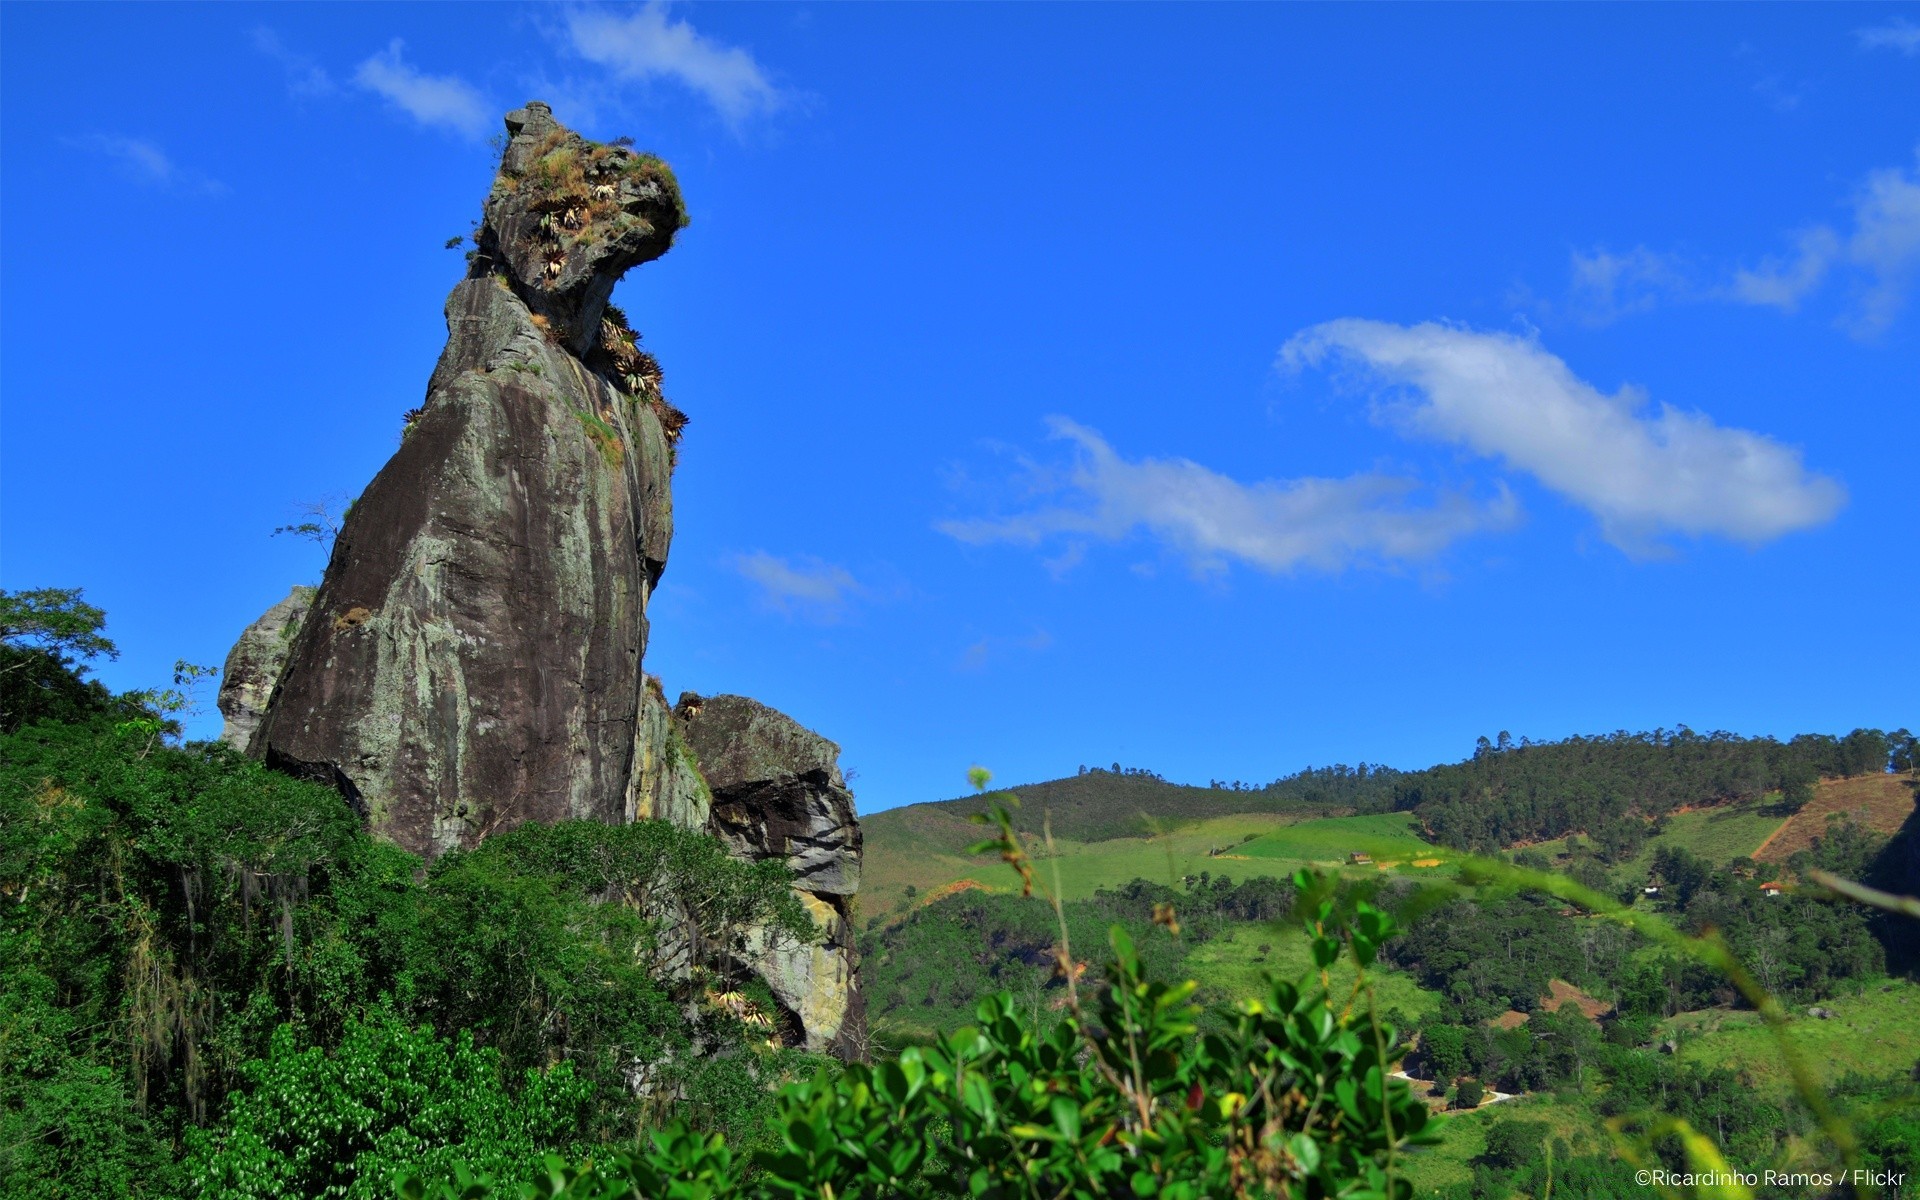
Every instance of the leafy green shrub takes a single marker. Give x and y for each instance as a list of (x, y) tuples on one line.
[(1469, 1094), (1294, 1095), (320, 1123), (175, 921)]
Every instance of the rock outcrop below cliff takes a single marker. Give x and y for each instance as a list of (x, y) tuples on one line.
[(473, 656), (254, 666), (778, 793)]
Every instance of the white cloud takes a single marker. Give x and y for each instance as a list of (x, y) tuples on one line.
[(648, 45), (1642, 473), (1783, 282), (1898, 34), (801, 586), (1886, 244), (1607, 286), (148, 163), (1275, 525), (305, 77), (1881, 249), (443, 100)]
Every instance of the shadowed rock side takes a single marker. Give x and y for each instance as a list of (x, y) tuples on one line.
[(777, 793), (254, 665), (472, 660)]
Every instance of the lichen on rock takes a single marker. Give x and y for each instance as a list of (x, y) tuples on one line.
[(472, 660), (778, 794), (254, 665)]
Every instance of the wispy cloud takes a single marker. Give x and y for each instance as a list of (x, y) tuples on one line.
[(801, 586), (1641, 472), (306, 78), (1899, 35), (1874, 254), (1782, 282), (147, 163), (1213, 520), (1880, 247), (648, 45), (980, 653), (1607, 285), (436, 100)]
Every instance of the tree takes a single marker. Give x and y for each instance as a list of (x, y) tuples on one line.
[(54, 621), (1514, 1144), (46, 635), (1445, 1049), (1469, 1094), (322, 521), (1796, 786)]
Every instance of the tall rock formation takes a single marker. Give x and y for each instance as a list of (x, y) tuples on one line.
[(472, 659)]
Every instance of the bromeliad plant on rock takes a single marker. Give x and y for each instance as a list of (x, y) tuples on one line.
[(1122, 1098)]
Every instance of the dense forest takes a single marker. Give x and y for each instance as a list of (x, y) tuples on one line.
[(217, 984), (1609, 786)]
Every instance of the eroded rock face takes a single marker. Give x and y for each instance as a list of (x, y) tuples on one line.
[(778, 793), (666, 784), (472, 660), (254, 665)]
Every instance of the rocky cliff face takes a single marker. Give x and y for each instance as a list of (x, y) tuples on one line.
[(777, 792), (472, 659), (254, 666)]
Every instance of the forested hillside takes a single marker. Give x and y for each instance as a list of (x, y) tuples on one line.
[(1607, 786), (218, 984)]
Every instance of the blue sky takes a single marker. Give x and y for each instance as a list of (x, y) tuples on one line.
[(1217, 390)]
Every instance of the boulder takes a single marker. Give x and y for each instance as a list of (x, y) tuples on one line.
[(254, 664), (778, 794)]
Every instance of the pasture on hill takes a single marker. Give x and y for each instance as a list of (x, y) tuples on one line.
[(1882, 803)]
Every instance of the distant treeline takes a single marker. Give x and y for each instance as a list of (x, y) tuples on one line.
[(1608, 786)]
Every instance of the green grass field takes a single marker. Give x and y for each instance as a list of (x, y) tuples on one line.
[(1279, 845), (1716, 834), (1570, 1118), (1875, 1033), (1388, 837), (1084, 867), (1233, 967)]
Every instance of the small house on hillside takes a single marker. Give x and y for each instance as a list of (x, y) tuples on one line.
[(1357, 858), (1773, 887)]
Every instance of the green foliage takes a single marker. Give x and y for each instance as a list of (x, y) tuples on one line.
[(1534, 791), (319, 1122), (924, 975), (193, 944), (54, 620), (1100, 804), (604, 437), (1294, 1094), (46, 634)]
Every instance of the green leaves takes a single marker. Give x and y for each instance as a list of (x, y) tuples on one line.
[(1291, 1096)]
